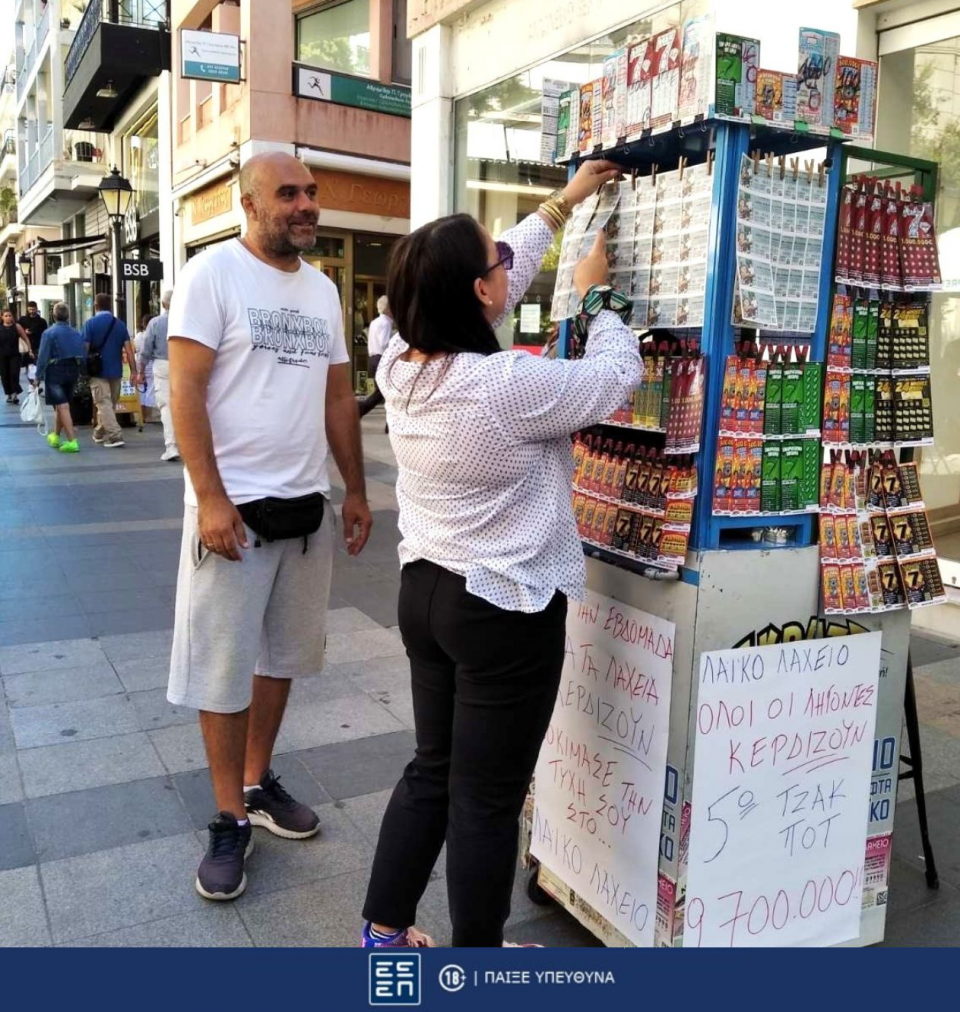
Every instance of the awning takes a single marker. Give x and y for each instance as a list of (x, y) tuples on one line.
[(67, 245)]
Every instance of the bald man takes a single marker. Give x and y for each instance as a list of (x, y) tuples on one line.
[(260, 388)]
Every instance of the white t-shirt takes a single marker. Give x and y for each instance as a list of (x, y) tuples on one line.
[(379, 334), (275, 334)]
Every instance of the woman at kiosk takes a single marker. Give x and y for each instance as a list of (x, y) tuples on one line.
[(490, 550)]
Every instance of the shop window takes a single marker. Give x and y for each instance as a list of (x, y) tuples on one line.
[(141, 162), (336, 36), (919, 115), (402, 48)]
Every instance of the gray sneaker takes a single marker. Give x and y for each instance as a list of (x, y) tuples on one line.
[(271, 807), (113, 444), (221, 875)]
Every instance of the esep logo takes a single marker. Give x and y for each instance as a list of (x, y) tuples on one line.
[(394, 978)]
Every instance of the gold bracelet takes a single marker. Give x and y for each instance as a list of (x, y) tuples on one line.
[(553, 212)]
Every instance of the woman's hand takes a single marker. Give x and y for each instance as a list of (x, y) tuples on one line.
[(591, 175), (592, 269)]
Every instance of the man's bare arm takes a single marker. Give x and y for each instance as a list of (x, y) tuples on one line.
[(221, 527), (343, 434)]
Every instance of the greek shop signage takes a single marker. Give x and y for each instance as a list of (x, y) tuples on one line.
[(210, 56), (358, 92)]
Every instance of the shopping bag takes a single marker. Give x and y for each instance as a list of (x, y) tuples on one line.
[(31, 410)]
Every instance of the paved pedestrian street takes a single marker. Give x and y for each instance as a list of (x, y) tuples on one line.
[(104, 794)]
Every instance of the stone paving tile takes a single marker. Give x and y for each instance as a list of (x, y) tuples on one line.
[(926, 649), (342, 719), (67, 685), (934, 925), (42, 630), (362, 645), (13, 608), (196, 791), (364, 766), (132, 646), (378, 600), (215, 925), (23, 920), (329, 684), (111, 623), (7, 742), (943, 814), (180, 747), (101, 818), (327, 915), (277, 864), (46, 656), (366, 813), (154, 711), (34, 726), (144, 673), (10, 789), (16, 844), (74, 766), (113, 889), (348, 620)]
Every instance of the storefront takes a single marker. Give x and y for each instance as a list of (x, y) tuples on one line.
[(374, 211)]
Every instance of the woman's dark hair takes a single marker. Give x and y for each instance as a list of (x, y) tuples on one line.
[(430, 287)]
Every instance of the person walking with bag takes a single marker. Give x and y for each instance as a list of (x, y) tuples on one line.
[(490, 551), (153, 355), (260, 387), (58, 367), (381, 330), (108, 345), (13, 345)]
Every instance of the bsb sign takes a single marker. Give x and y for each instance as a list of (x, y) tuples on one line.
[(141, 270), (359, 92)]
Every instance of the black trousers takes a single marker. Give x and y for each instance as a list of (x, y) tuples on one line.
[(10, 374), (369, 403), (484, 686)]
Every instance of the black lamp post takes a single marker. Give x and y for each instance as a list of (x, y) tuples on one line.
[(117, 193), (26, 269)]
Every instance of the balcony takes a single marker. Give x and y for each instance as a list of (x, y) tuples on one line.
[(119, 44), (25, 67), (8, 155)]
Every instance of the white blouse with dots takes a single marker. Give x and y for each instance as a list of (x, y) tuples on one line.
[(484, 453)]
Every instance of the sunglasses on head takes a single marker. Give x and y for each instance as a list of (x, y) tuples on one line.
[(505, 254)]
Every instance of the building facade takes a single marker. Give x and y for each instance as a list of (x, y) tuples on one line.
[(325, 82)]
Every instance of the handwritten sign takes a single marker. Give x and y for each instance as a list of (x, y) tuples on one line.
[(781, 784), (600, 775)]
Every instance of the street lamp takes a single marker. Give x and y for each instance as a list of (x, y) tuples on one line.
[(26, 269), (117, 194)]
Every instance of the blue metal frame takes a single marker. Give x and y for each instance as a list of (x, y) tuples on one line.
[(729, 141)]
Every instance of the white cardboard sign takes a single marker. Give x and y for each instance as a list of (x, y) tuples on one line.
[(781, 785), (600, 775)]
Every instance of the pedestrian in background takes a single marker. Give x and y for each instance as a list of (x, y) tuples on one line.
[(148, 397), (11, 336), (34, 325), (490, 551), (108, 345), (381, 330), (154, 357), (59, 359)]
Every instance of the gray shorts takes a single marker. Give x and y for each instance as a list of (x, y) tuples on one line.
[(266, 615)]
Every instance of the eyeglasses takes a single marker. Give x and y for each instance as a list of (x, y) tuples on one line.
[(505, 253)]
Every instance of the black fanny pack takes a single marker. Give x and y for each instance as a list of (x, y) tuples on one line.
[(283, 519)]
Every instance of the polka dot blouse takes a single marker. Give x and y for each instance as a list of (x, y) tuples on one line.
[(484, 453)]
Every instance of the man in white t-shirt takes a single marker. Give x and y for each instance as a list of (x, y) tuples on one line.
[(260, 386), (381, 330)]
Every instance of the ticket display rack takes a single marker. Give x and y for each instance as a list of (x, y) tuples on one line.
[(750, 576)]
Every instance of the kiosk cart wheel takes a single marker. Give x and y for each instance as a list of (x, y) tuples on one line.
[(535, 893)]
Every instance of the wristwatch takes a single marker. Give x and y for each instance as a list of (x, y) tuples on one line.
[(561, 201), (600, 297)]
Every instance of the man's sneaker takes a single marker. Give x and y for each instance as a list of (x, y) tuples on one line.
[(69, 446), (270, 806), (170, 453), (408, 938), (53, 440), (221, 875), (521, 945), (98, 439), (113, 444)]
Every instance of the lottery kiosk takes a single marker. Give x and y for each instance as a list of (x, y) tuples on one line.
[(721, 766)]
